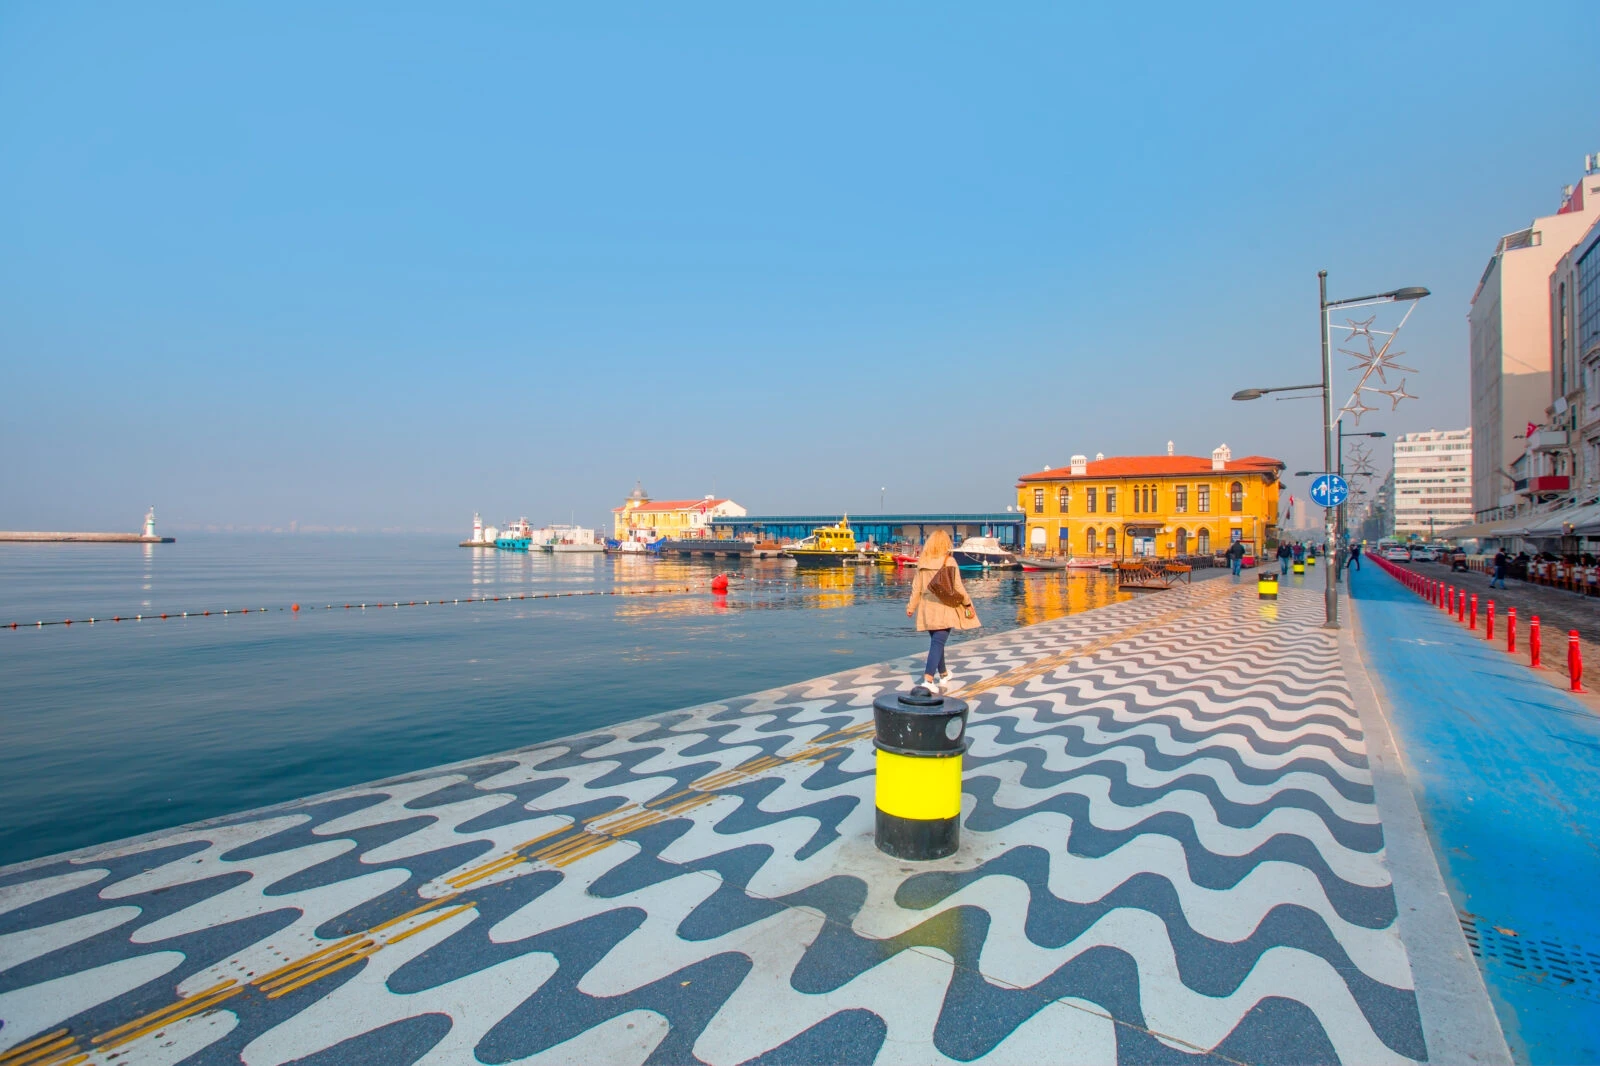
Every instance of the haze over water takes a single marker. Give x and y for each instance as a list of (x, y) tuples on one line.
[(123, 728)]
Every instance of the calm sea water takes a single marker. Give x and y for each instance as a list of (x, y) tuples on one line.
[(121, 728)]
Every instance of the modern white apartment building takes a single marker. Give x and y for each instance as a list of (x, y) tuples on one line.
[(1432, 482), (1569, 441), (1511, 357)]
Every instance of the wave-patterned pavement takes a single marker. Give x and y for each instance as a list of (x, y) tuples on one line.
[(1170, 853)]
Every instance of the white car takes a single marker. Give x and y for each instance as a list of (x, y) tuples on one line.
[(1424, 554), (1397, 554)]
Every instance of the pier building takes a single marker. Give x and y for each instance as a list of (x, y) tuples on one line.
[(1152, 504), (879, 528), (641, 518)]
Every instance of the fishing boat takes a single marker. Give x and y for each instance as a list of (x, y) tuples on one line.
[(828, 546), (984, 553), (1076, 563)]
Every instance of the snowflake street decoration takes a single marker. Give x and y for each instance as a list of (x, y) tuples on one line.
[(1377, 360)]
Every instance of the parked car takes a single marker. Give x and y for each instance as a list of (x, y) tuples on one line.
[(1397, 554), (1424, 554)]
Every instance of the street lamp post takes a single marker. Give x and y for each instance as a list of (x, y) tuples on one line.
[(1331, 593)]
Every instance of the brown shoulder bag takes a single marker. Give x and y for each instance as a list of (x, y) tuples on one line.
[(943, 586)]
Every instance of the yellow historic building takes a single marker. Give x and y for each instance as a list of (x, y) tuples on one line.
[(1162, 505), (644, 519)]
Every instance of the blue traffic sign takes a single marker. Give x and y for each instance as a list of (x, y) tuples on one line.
[(1329, 490)]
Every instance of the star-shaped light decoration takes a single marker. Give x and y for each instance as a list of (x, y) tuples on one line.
[(1355, 409), (1376, 361), (1395, 394), (1360, 329)]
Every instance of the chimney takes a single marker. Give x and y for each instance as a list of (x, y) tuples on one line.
[(1080, 465), (1220, 457), (1099, 456), (1169, 447)]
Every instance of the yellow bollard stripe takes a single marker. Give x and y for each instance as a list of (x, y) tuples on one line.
[(919, 788)]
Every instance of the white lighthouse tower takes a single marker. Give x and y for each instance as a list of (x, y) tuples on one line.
[(477, 528), (150, 524)]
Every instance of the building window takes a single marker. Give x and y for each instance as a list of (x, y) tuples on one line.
[(1136, 492), (1236, 497), (1183, 541), (1202, 499), (1065, 547), (1111, 500), (1203, 539), (1180, 499), (1111, 540), (1088, 534), (1064, 500), (1089, 501), (1038, 501)]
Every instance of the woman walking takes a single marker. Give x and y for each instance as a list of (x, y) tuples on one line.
[(940, 603)]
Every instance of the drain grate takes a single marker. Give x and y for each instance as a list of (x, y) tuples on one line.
[(1568, 966)]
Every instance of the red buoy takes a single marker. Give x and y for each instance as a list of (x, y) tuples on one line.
[(295, 607), (719, 583)]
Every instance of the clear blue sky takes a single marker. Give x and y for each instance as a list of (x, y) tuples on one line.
[(384, 265)]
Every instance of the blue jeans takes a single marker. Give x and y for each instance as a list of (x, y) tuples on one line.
[(936, 639), (1283, 565), (1236, 564)]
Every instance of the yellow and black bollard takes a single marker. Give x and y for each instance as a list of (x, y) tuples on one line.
[(1299, 567), (920, 740), (1267, 584), (1311, 560)]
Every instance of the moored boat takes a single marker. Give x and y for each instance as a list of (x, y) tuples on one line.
[(984, 553), (1037, 564), (515, 537), (828, 546)]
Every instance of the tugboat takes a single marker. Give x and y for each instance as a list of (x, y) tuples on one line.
[(828, 546), (984, 553), (516, 537)]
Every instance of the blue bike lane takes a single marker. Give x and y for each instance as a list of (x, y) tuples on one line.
[(1505, 769)]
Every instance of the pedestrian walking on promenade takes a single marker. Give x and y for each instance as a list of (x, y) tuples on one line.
[(1236, 558), (1285, 553), (1500, 562), (1299, 552), (940, 603), (1355, 557)]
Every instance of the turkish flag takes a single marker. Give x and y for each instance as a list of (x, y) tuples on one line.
[(1533, 427)]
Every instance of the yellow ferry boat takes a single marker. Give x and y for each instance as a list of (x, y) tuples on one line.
[(828, 546)]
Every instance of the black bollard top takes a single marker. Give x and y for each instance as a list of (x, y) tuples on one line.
[(920, 722)]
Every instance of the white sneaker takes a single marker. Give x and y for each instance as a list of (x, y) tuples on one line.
[(931, 685), (948, 685)]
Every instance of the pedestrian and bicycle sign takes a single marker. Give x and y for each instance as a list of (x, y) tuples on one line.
[(1329, 490)]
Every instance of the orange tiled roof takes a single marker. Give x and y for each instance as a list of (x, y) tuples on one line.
[(1155, 466), (672, 505)]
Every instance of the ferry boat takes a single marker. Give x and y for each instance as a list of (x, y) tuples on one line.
[(828, 546), (984, 553), (515, 537)]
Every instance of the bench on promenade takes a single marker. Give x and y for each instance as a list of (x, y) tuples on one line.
[(1142, 574)]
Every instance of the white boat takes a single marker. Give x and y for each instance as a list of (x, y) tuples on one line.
[(566, 540), (984, 553)]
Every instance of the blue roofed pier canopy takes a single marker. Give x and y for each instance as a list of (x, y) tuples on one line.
[(880, 528)]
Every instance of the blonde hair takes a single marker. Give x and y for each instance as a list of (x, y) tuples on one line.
[(937, 547)]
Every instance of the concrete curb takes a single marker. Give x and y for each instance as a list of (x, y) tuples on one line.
[(1458, 1020)]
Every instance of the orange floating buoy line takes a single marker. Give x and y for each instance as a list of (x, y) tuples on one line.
[(294, 608)]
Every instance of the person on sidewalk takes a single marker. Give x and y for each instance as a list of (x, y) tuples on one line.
[(1285, 553), (1299, 552), (1236, 558), (940, 603), (1500, 562), (1355, 557)]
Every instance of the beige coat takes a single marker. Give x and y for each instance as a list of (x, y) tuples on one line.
[(933, 613)]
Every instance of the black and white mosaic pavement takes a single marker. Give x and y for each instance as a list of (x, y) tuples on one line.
[(1170, 853)]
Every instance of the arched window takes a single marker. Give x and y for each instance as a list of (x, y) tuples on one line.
[(1183, 541), (1155, 499), (1065, 547), (1064, 501), (1111, 540), (1089, 541), (1236, 496), (1203, 542), (1136, 499)]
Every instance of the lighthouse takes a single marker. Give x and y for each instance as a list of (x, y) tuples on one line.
[(477, 528), (150, 524)]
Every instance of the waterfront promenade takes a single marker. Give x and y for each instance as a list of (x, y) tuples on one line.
[(1186, 837)]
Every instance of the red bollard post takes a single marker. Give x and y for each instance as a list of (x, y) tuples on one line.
[(1574, 661), (1511, 631), (1461, 605), (1473, 616), (1488, 623), (1533, 642)]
